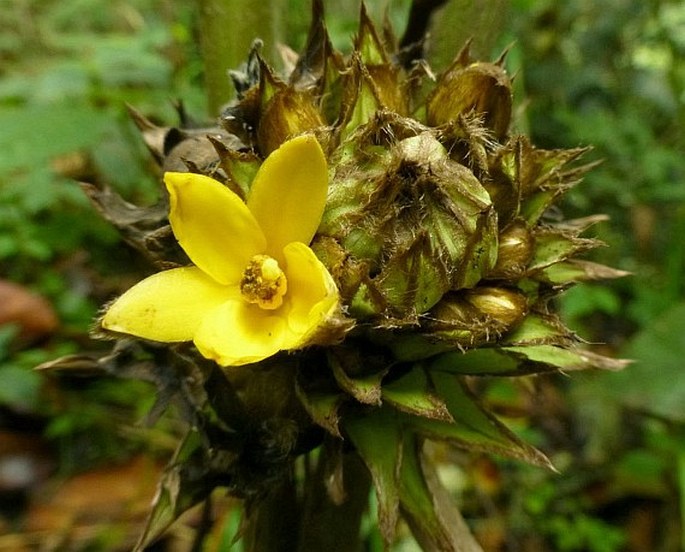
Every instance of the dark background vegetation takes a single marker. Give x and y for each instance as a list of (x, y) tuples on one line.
[(77, 468)]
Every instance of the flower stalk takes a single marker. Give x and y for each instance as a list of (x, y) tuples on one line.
[(224, 39)]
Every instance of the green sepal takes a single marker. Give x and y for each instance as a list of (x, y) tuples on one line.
[(323, 408), (311, 64), (348, 193), (367, 42), (552, 247), (564, 358), (389, 89), (412, 278), (477, 362), (240, 167), (539, 169), (527, 180), (410, 347), (288, 113), (533, 207), (573, 271), (522, 359), (413, 393), (268, 83), (377, 436), (466, 88), (361, 102), (508, 361), (366, 388), (320, 396), (538, 329), (366, 302), (333, 90)]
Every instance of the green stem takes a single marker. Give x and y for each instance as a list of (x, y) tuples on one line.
[(227, 30), (307, 519), (680, 459), (272, 525), (331, 527), (461, 20)]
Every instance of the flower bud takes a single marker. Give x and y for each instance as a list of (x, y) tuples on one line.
[(463, 319), (375, 60), (504, 307), (414, 224), (483, 88), (285, 112), (514, 251), (476, 314)]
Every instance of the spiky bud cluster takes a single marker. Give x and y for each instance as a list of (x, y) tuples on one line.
[(435, 222), (436, 232)]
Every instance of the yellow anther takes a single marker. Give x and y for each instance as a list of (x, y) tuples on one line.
[(264, 282)]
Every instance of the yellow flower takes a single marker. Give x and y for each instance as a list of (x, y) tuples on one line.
[(256, 287)]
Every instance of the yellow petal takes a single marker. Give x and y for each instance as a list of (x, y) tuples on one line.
[(168, 306), (312, 293), (288, 194), (213, 225), (238, 333)]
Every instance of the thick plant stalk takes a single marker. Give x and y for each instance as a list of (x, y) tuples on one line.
[(227, 30), (329, 526), (273, 524), (311, 521), (457, 21)]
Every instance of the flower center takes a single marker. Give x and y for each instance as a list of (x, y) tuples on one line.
[(264, 282)]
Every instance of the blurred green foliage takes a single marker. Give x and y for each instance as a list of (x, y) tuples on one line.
[(67, 71), (607, 73), (611, 74)]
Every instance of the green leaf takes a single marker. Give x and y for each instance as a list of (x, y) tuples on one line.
[(681, 490), (413, 393), (119, 61), (377, 436), (427, 507), (31, 136), (641, 472), (473, 427), (20, 387), (656, 381), (61, 80), (178, 490), (586, 299)]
